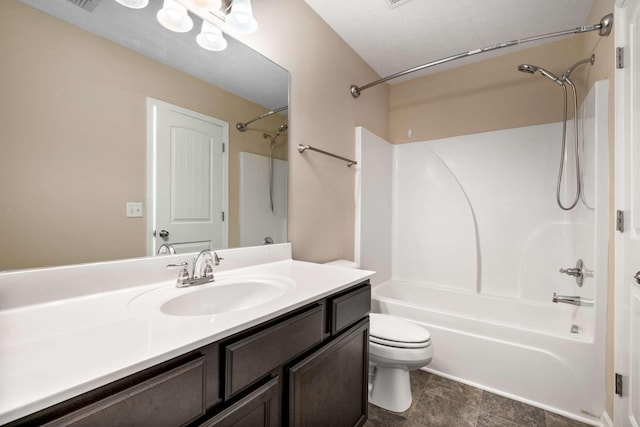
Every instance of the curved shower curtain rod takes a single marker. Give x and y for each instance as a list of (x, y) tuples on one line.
[(243, 126), (604, 26)]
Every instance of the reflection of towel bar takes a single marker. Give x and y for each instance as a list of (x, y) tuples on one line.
[(303, 148)]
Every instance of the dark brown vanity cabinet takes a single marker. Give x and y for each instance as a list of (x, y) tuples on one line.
[(329, 387), (308, 367)]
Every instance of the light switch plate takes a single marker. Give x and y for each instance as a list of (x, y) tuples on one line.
[(134, 210)]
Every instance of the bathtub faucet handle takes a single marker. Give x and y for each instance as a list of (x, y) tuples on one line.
[(576, 272), (571, 271)]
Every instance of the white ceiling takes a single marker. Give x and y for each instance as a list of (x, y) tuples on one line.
[(418, 31)]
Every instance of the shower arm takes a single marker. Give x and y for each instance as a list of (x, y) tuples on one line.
[(604, 26), (243, 126)]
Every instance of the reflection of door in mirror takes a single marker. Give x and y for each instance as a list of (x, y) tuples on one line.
[(188, 181)]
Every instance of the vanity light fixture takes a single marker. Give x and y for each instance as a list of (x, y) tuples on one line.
[(175, 17), (207, 4), (134, 4), (211, 37), (241, 17)]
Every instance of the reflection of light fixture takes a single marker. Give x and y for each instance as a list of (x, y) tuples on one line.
[(175, 17), (134, 4), (241, 17), (207, 4), (211, 38)]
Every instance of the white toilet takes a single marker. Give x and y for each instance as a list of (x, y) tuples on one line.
[(396, 347)]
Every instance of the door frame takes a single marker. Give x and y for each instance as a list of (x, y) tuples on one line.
[(623, 146), (152, 106)]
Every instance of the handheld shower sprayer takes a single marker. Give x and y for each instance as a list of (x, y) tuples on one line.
[(563, 81), (531, 69)]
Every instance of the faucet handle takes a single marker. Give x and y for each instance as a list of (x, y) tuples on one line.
[(208, 270), (571, 271), (577, 272), (182, 264), (183, 276), (216, 258)]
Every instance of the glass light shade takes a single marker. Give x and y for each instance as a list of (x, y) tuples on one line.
[(134, 4), (174, 17), (211, 37), (241, 17), (207, 4)]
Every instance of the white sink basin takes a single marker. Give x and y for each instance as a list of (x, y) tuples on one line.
[(224, 295), (216, 299)]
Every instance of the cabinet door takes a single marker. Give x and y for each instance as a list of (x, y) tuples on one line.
[(259, 409), (329, 388)]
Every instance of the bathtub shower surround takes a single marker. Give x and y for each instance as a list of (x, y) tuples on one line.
[(477, 242)]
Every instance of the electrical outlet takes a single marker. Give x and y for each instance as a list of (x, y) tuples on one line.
[(134, 210)]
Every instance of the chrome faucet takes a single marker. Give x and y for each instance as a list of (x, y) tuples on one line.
[(572, 300), (202, 271), (566, 299), (166, 249)]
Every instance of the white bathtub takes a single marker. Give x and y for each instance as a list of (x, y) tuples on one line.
[(518, 349)]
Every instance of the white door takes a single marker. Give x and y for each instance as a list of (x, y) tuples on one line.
[(187, 180), (627, 306)]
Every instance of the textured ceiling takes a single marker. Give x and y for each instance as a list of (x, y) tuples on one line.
[(237, 69), (419, 31)]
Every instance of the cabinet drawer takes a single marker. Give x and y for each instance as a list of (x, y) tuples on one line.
[(251, 358), (350, 307), (173, 398)]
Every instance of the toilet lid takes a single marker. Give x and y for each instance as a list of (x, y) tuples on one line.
[(395, 332)]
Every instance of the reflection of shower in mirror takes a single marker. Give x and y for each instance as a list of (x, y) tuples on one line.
[(274, 139), (242, 127)]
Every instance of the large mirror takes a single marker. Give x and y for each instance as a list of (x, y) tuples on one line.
[(76, 87)]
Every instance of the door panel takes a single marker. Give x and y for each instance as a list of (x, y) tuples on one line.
[(189, 179)]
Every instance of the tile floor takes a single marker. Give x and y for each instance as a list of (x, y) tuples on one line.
[(440, 402)]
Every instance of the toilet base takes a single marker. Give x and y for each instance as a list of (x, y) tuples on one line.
[(391, 389)]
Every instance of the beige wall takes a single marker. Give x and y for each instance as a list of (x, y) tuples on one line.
[(483, 96), (73, 112), (322, 113), (492, 94)]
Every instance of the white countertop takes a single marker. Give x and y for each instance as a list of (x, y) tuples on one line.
[(55, 350)]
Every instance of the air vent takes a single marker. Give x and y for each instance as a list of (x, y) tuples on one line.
[(87, 5), (396, 3)]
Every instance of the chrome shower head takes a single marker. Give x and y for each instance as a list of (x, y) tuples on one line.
[(531, 69), (526, 68), (283, 127)]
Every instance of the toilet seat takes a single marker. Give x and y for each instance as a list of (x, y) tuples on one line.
[(391, 331), (398, 344)]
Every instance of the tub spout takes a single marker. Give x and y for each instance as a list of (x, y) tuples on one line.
[(572, 300)]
